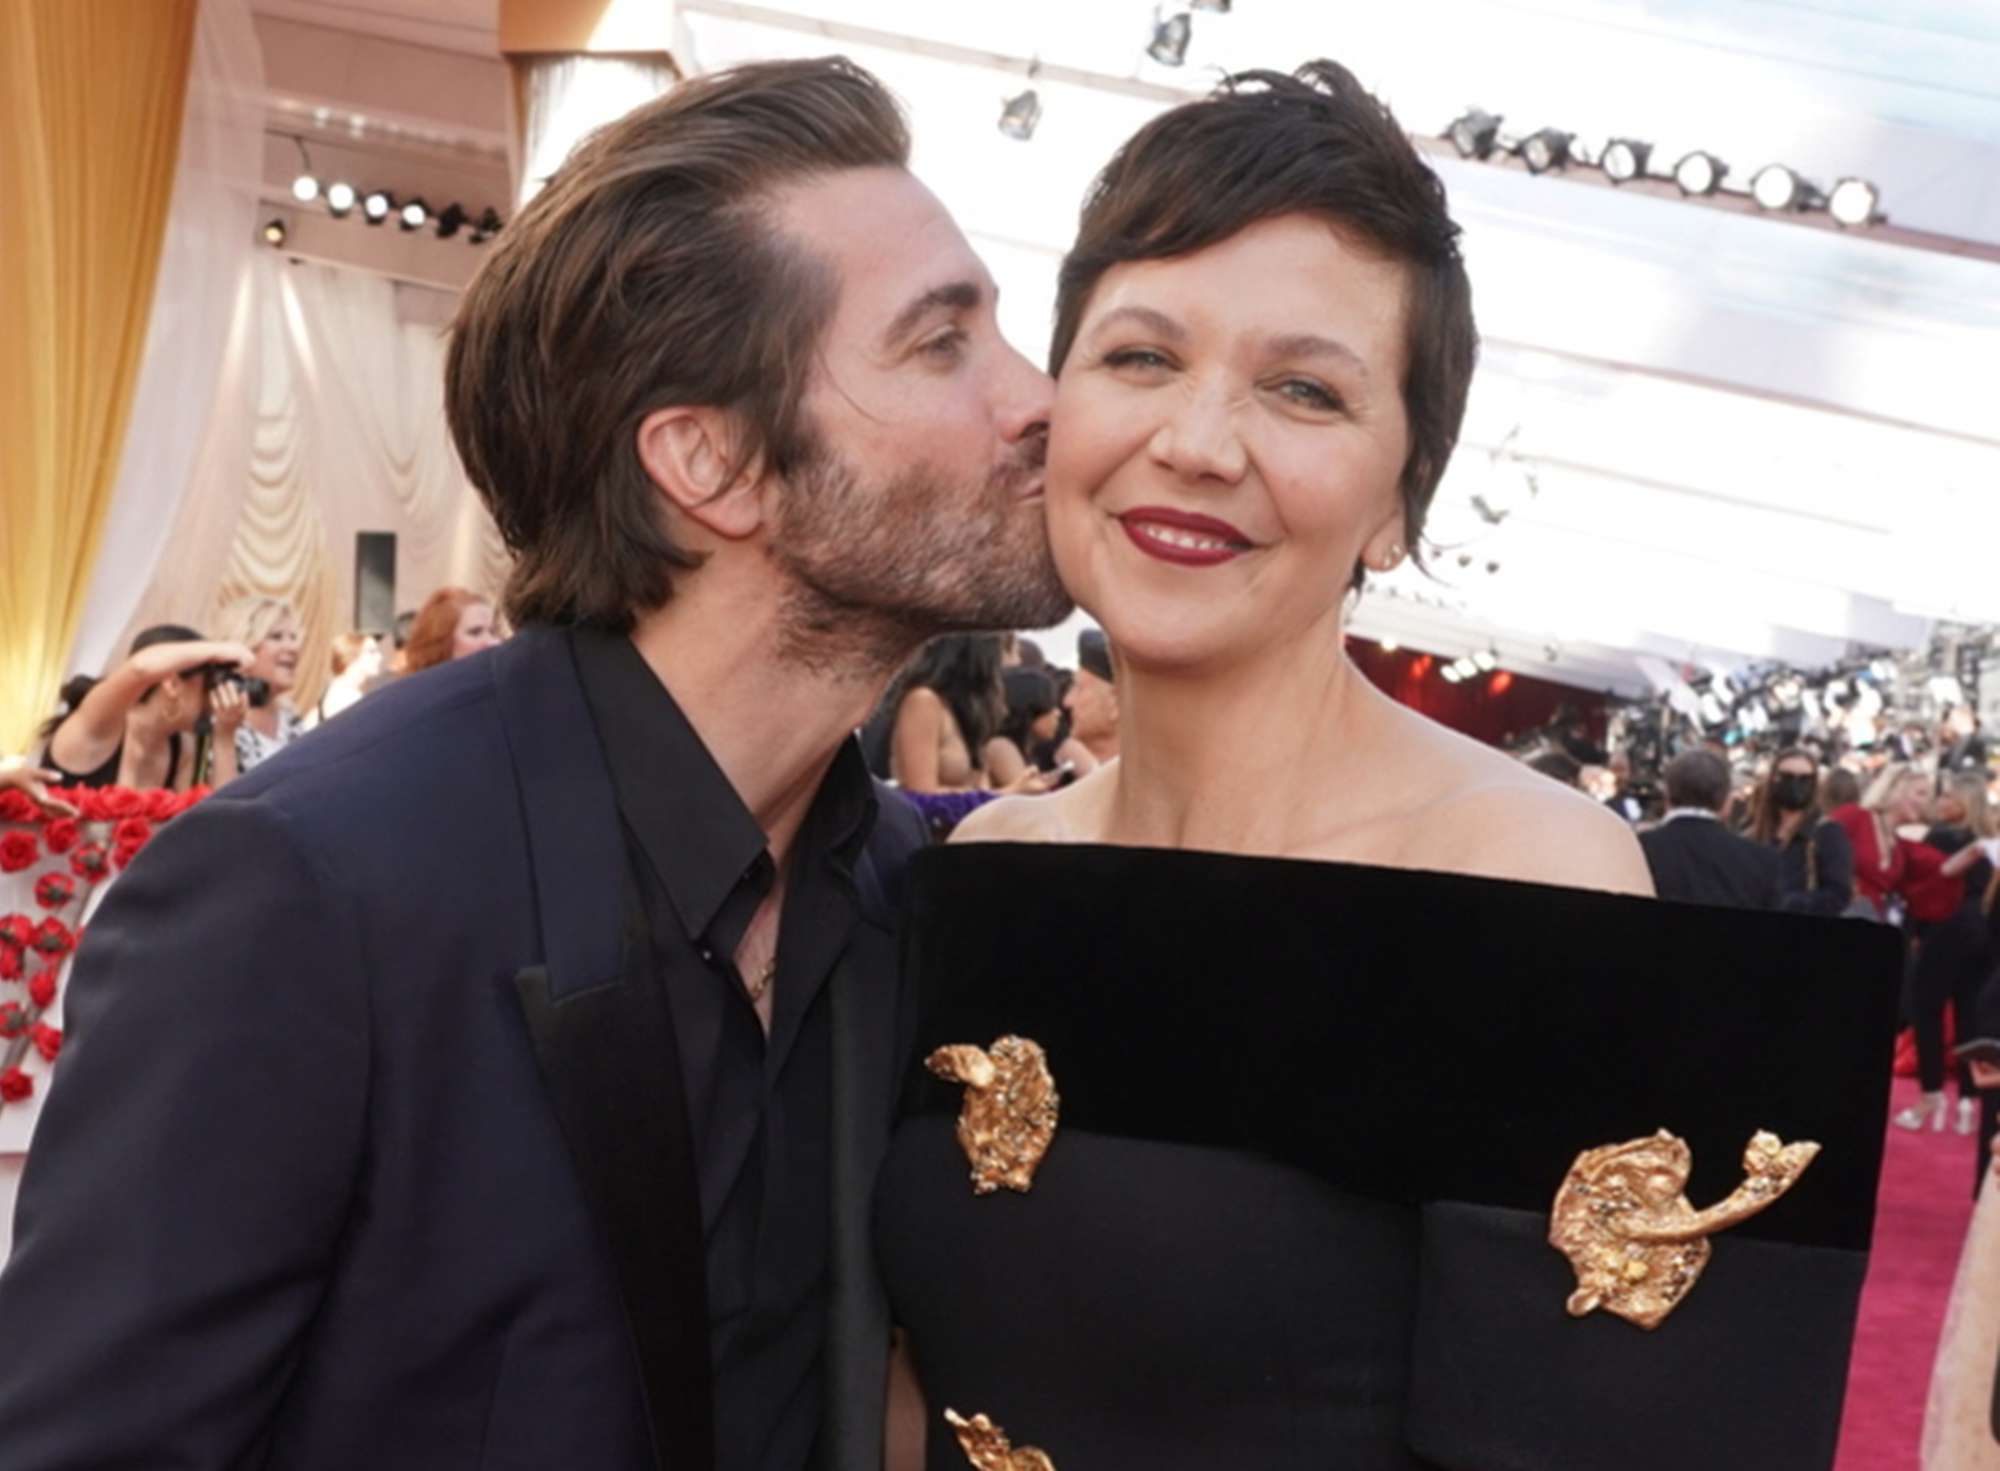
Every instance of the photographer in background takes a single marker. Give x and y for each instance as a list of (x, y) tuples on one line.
[(132, 728), (270, 629)]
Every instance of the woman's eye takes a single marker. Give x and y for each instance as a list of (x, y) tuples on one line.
[(1308, 394), (1136, 357)]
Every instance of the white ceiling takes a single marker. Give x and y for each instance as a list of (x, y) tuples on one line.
[(1747, 439)]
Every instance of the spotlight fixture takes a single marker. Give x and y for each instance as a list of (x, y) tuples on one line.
[(1548, 149), (305, 188), (1451, 674), (1388, 645), (1624, 160), (1777, 187), (1217, 7), (1854, 202), (486, 226), (274, 232), (1474, 133), (413, 214), (1700, 173), (451, 221), (339, 198), (1486, 661), (1020, 114), (377, 205), (1170, 40)]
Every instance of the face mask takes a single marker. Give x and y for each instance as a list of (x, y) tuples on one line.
[(1792, 792)]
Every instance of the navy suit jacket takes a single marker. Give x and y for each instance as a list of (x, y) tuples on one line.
[(369, 1147), (1696, 860)]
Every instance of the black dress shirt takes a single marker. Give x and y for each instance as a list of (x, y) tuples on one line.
[(757, 1107)]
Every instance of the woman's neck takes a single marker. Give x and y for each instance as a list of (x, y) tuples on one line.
[(1218, 759), (1788, 825)]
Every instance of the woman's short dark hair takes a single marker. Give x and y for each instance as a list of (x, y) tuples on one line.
[(647, 273), (1316, 143)]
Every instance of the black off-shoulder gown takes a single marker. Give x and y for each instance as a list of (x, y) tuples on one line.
[(1312, 1120)]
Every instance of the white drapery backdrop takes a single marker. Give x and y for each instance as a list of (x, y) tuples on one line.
[(203, 263), (344, 431)]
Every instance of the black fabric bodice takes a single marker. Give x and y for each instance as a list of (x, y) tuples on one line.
[(1312, 1120)]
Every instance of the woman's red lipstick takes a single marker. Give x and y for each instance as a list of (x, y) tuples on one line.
[(1184, 538)]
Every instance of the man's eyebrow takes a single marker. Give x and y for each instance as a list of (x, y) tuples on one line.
[(960, 296), (1144, 316), (1311, 345)]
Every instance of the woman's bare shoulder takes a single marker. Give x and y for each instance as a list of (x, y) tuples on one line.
[(1488, 814), (1052, 817)]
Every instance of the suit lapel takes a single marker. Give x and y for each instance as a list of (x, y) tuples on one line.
[(861, 999), (604, 1041)]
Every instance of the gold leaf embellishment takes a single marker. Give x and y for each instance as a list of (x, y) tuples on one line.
[(1009, 1114), (1638, 1246), (987, 1447)]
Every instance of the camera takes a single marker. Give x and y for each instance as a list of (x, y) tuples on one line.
[(256, 691)]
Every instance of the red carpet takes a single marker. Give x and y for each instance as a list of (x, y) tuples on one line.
[(1925, 1204)]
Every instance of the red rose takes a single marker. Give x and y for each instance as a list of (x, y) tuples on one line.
[(48, 1040), (42, 990), (17, 806), (52, 938), (61, 833), (53, 890), (17, 930), (116, 803), (123, 854), (133, 832), (18, 850), (90, 862), (15, 1086), (161, 804), (13, 1020), (10, 963)]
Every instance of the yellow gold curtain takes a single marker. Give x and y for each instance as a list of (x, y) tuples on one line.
[(89, 128)]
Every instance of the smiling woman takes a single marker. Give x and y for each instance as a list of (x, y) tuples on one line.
[(1318, 982)]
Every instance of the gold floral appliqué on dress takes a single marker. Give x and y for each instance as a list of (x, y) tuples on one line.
[(1637, 1244), (1009, 1114), (987, 1447)]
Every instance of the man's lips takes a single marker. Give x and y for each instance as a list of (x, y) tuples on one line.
[(1184, 537)]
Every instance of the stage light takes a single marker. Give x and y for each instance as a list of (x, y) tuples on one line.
[(1451, 674), (1625, 159), (1854, 202), (1700, 173), (339, 198), (1217, 7), (486, 227), (1777, 187), (413, 214), (1485, 661), (451, 221), (1501, 683), (1548, 149), (377, 205), (305, 188), (1474, 133), (1170, 40), (1020, 114), (274, 232), (1388, 645)]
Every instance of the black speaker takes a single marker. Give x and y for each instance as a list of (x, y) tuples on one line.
[(374, 581)]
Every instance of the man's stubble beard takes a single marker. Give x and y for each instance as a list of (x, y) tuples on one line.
[(874, 571)]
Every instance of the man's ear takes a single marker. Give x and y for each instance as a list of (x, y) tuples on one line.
[(689, 454)]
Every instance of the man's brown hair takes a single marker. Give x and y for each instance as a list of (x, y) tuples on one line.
[(1264, 145), (648, 273)]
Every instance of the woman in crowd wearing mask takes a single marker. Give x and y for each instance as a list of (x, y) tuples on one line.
[(1816, 863)]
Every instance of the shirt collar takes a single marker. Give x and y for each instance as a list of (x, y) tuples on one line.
[(697, 833), (1691, 812)]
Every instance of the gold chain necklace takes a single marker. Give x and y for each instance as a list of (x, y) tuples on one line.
[(759, 985)]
